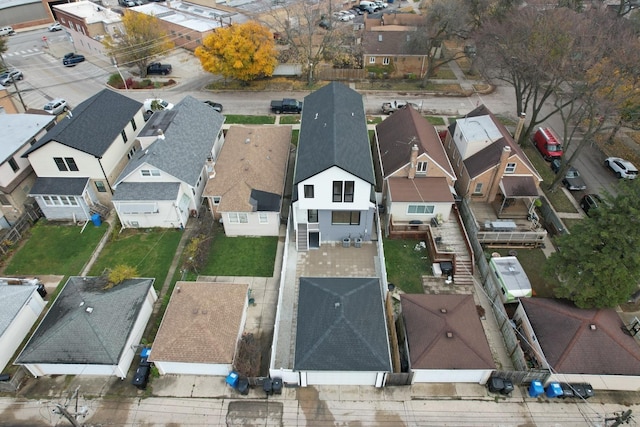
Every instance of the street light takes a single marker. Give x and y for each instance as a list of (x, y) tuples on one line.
[(115, 64)]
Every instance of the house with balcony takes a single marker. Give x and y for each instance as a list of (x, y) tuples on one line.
[(78, 160), (163, 183), (19, 132), (496, 179), (333, 190)]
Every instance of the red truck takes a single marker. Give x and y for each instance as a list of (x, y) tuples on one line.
[(548, 143)]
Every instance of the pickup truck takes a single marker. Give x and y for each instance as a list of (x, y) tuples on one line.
[(393, 106), (158, 68), (286, 106)]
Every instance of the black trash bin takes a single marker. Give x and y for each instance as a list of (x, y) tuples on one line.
[(508, 387), (495, 384), (243, 385), (5, 377), (276, 385), (267, 386), (41, 290), (141, 377)]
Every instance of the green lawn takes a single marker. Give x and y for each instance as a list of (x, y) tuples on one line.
[(405, 265), (55, 249), (374, 120), (293, 119), (238, 119), (295, 133), (149, 251), (241, 256), (435, 120), (532, 261)]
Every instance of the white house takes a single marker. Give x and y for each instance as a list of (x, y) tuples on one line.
[(21, 307), (78, 160), (162, 184), (444, 339), (201, 328), (91, 328), (19, 132), (247, 180), (333, 195)]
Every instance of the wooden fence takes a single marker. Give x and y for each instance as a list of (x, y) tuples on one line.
[(16, 232)]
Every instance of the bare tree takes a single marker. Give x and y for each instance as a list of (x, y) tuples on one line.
[(308, 29)]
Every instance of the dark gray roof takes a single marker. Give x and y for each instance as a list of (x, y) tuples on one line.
[(69, 334), (264, 201), (128, 191), (341, 325), (59, 186), (187, 142), (333, 132), (94, 125)]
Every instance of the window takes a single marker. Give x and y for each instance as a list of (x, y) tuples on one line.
[(372, 60), (420, 209), (133, 124), (478, 189), (131, 152), (124, 136), (71, 164), (308, 191), (4, 201), (60, 201), (216, 200), (14, 165), (348, 190), (100, 187), (238, 218), (150, 172), (337, 191), (263, 218), (312, 215), (345, 217), (385, 61), (421, 168), (60, 163), (511, 168)]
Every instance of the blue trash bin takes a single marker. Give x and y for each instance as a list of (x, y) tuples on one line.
[(232, 379), (535, 388), (95, 218), (554, 390)]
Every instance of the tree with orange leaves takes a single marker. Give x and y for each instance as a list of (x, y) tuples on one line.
[(244, 52)]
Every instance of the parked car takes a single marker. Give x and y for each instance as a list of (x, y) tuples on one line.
[(216, 106), (71, 59), (590, 201), (56, 106), (156, 104), (572, 179), (357, 10), (158, 68), (287, 105), (548, 143), (55, 27), (126, 3), (393, 106), (9, 76), (381, 4), (6, 31), (622, 168)]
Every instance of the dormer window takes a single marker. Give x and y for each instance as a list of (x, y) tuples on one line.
[(421, 168), (511, 168)]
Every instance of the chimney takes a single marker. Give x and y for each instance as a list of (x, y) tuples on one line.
[(499, 172), (413, 162)]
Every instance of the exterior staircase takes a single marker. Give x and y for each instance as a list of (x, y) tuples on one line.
[(302, 238), (453, 237), (99, 209)]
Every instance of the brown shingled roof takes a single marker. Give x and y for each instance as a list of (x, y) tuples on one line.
[(572, 346), (424, 189), (398, 133), (393, 43), (241, 166), (202, 323), (428, 321)]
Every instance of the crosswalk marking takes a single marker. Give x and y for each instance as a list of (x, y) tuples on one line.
[(21, 53)]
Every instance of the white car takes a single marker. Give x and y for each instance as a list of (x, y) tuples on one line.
[(10, 76), (622, 168), (55, 27), (56, 106), (156, 104), (381, 4)]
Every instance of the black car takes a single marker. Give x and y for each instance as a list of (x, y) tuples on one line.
[(590, 201), (71, 59), (216, 106)]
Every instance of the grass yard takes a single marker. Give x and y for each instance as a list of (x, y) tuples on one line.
[(55, 249), (291, 119), (149, 251), (241, 256), (532, 261), (238, 119), (405, 265), (295, 134), (435, 120)]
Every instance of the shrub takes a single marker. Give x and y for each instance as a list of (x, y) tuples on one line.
[(120, 273)]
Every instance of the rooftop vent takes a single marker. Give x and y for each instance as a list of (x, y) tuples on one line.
[(449, 334), (379, 37), (443, 310), (89, 310), (336, 305), (592, 327)]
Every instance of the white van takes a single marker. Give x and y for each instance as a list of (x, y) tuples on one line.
[(6, 31), (368, 4)]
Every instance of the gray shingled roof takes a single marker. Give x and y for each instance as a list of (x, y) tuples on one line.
[(128, 191), (13, 298), (59, 186), (188, 141), (94, 125), (333, 132), (341, 325), (71, 335)]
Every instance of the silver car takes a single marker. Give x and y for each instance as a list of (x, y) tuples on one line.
[(56, 106), (8, 77)]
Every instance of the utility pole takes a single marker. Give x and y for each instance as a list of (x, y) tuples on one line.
[(72, 418), (620, 418), (15, 84)]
